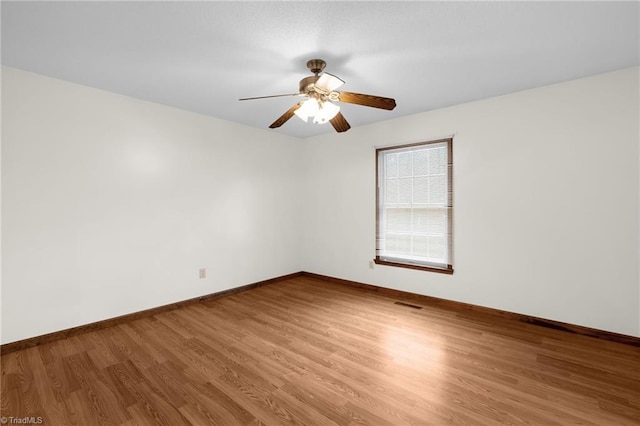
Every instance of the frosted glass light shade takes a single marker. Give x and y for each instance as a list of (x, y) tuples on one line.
[(309, 108), (329, 82)]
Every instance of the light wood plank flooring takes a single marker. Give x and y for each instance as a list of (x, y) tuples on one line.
[(309, 352)]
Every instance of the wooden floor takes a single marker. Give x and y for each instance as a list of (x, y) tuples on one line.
[(309, 352)]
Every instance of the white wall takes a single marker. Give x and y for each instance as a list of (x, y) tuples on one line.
[(111, 204), (545, 197)]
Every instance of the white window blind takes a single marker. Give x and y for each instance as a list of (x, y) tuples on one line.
[(415, 205)]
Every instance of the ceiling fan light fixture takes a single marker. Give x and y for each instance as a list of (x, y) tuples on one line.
[(321, 111)]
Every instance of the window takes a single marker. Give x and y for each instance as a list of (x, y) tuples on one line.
[(414, 206)]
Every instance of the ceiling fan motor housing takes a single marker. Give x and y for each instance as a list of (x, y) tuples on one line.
[(307, 84)]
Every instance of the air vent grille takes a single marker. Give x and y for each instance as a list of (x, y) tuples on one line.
[(408, 305)]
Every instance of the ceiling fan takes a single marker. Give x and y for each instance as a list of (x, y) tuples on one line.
[(319, 91)]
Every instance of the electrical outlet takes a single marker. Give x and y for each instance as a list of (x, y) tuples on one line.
[(371, 263), (202, 273)]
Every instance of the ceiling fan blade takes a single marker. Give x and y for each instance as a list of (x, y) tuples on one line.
[(339, 123), (329, 82), (284, 117), (367, 100), (271, 96)]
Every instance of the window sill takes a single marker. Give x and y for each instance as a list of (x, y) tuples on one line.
[(448, 270)]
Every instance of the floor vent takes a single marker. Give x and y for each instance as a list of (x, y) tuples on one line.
[(408, 305)]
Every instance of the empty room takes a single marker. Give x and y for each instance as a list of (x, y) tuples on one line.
[(320, 213)]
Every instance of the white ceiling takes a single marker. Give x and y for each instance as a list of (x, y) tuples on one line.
[(203, 56)]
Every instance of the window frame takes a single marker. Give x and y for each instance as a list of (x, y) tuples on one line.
[(448, 205)]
